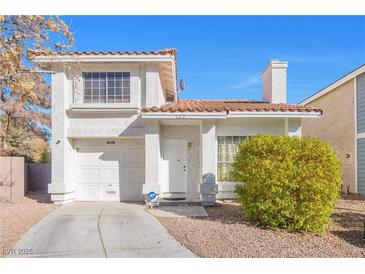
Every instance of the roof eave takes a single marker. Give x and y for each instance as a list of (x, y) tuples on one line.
[(349, 76), (184, 115), (102, 58), (274, 114), (230, 114)]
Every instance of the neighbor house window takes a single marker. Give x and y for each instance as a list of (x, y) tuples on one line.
[(107, 87), (227, 150)]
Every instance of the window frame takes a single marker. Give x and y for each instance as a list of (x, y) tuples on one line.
[(124, 96), (244, 137)]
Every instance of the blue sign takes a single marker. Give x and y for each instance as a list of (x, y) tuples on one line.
[(152, 195)]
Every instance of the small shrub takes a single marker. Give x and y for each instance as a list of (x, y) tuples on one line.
[(287, 182)]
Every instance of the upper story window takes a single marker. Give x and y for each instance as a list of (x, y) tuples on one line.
[(107, 87)]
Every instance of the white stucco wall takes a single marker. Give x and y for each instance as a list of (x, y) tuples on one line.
[(63, 155), (69, 125), (146, 90), (106, 125), (294, 127), (208, 148), (100, 143), (97, 124), (155, 95), (250, 126), (152, 157)]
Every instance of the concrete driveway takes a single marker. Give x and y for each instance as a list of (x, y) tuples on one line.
[(100, 229)]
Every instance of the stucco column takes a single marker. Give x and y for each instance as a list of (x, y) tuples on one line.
[(152, 156), (293, 126), (62, 186), (208, 186), (154, 91)]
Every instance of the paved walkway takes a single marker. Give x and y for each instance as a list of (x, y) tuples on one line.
[(179, 211), (101, 229)]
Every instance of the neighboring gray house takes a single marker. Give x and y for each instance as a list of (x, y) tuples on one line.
[(343, 124), (119, 130)]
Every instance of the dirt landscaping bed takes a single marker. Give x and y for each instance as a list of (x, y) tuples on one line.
[(17, 218), (225, 234)]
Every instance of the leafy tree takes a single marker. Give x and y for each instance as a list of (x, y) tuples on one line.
[(45, 156), (25, 98), (25, 143)]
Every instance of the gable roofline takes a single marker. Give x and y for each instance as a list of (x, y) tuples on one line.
[(34, 54), (347, 77), (163, 55)]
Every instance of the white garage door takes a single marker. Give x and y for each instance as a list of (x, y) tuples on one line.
[(110, 175)]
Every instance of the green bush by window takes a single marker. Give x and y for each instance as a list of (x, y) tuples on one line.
[(287, 182)]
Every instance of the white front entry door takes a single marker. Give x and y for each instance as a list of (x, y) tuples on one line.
[(110, 174), (175, 153)]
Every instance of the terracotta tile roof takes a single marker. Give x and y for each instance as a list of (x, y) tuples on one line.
[(35, 53), (168, 51), (228, 105)]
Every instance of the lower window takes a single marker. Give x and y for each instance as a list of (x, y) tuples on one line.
[(227, 150)]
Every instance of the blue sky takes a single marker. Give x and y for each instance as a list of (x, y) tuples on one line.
[(223, 56)]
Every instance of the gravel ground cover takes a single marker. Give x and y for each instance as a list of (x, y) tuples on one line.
[(225, 234), (17, 218)]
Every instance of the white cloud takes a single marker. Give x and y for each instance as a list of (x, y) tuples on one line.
[(307, 59), (248, 81)]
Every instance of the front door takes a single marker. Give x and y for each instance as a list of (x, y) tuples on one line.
[(175, 153)]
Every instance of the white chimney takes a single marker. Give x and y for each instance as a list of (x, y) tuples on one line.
[(274, 82)]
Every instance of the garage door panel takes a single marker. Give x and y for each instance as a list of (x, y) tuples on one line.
[(88, 175), (110, 175), (110, 158), (88, 158), (105, 174), (110, 192), (87, 192)]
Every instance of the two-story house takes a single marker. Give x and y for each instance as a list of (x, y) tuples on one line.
[(119, 130)]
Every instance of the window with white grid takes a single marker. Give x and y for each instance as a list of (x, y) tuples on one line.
[(227, 150), (106, 87)]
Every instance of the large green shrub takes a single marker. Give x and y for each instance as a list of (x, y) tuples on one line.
[(287, 182)]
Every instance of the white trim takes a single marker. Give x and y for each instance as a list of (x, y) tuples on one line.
[(278, 114), (111, 137), (103, 58), (173, 69), (184, 115), (360, 135), (334, 85), (286, 126), (355, 123), (226, 186), (120, 108), (275, 64), (216, 155)]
